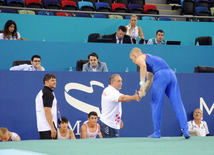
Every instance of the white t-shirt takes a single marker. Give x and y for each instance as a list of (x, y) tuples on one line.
[(111, 109), (14, 135), (2, 36), (134, 32), (42, 123), (203, 129)]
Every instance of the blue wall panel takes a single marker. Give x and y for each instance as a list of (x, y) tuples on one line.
[(19, 89), (74, 29)]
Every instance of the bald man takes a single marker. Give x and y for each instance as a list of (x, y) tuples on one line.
[(164, 81)]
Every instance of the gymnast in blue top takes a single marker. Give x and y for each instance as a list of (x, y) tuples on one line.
[(164, 81)]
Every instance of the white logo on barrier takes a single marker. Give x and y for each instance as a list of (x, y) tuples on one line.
[(202, 103), (82, 106)]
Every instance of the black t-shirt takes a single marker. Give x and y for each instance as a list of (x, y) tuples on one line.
[(47, 97)]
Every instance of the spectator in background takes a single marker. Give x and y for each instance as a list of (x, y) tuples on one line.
[(91, 128), (133, 31), (5, 135), (63, 132), (158, 40), (35, 65), (94, 65), (198, 125), (10, 31), (120, 36)]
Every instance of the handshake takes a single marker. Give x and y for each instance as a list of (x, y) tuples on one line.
[(138, 95)]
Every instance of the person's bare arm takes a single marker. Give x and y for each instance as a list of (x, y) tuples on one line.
[(149, 81), (71, 135), (128, 98), (83, 131), (141, 33), (17, 138), (48, 115), (121, 124), (100, 134)]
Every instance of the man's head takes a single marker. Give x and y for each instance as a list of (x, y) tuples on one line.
[(159, 36), (4, 134), (197, 114), (121, 32), (63, 123), (135, 52), (50, 81), (93, 59), (92, 117), (115, 81), (36, 60)]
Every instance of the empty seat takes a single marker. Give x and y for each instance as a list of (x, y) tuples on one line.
[(33, 4), (8, 10), (115, 17), (21, 62), (165, 19), (69, 5), (93, 37), (92, 1), (2, 3), (48, 13), (212, 11), (52, 4), (16, 3), (80, 64), (211, 3), (107, 1), (117, 5), (135, 8), (81, 15), (204, 40), (29, 12), (200, 9), (83, 4), (188, 7), (203, 69), (139, 2), (203, 3), (101, 5), (149, 7), (125, 2), (66, 14), (98, 16), (148, 18)]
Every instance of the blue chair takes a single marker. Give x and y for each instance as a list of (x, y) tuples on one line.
[(101, 4), (148, 18), (128, 17), (45, 13), (98, 16), (8, 11), (133, 6), (82, 15), (200, 9), (84, 3), (165, 19), (17, 3)]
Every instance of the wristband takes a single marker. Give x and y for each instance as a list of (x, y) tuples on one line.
[(142, 83)]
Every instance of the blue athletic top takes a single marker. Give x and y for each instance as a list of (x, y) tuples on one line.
[(155, 63)]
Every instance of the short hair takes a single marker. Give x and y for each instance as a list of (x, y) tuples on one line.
[(3, 131), (135, 50), (92, 113), (122, 28), (35, 56), (93, 54), (63, 119), (198, 109), (48, 77), (111, 79), (161, 31)]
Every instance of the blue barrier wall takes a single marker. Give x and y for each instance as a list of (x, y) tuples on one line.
[(19, 89), (58, 56), (74, 29)]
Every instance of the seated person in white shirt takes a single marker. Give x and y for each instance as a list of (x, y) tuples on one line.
[(35, 65), (158, 40), (198, 125), (90, 129), (5, 135), (63, 132), (94, 65)]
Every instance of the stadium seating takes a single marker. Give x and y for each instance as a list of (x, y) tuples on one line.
[(66, 14), (52, 4), (33, 4), (69, 5), (15, 3)]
